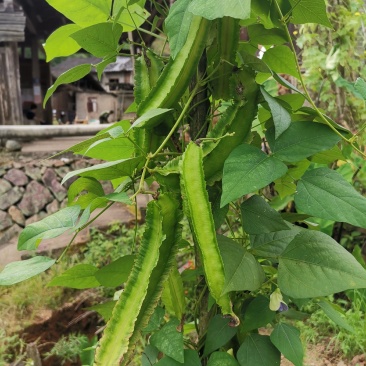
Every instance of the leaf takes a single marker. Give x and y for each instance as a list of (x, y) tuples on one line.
[(155, 321), (328, 156), (105, 309), (238, 9), (300, 140), (309, 11), (121, 197), (80, 276), (107, 171), (115, 273), (50, 227), (260, 218), (219, 332), (169, 340), (326, 194), (285, 186), (257, 314), (69, 76), (242, 271), (152, 118), (360, 86), (131, 16), (332, 313), (258, 350), (16, 272), (177, 25), (258, 34), (149, 356), (173, 294), (222, 359), (191, 358), (99, 39), (287, 340), (83, 12), (281, 118), (248, 169), (83, 191), (60, 44), (281, 59), (313, 264), (100, 66)]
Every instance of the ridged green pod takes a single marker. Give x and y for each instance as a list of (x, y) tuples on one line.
[(147, 71), (198, 209), (176, 76), (227, 44), (115, 340), (172, 229), (237, 119)]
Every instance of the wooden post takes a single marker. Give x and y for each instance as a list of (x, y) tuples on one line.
[(10, 95)]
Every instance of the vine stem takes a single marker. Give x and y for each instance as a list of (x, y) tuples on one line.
[(81, 228), (307, 95)]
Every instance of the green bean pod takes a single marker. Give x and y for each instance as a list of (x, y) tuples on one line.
[(198, 210), (237, 119), (115, 340), (172, 229), (227, 44)]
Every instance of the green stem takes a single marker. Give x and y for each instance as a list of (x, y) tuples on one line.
[(82, 228), (307, 95)]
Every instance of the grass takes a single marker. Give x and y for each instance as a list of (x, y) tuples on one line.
[(318, 327)]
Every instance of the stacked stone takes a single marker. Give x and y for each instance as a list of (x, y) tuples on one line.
[(31, 190)]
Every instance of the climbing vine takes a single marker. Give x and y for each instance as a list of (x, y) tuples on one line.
[(248, 170)]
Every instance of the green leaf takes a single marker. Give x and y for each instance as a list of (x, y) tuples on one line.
[(285, 186), (300, 140), (60, 44), (248, 169), (257, 314), (155, 321), (131, 16), (334, 314), (173, 294), (258, 34), (169, 340), (105, 309), (177, 25), (107, 171), (191, 358), (258, 350), (309, 11), (80, 276), (16, 272), (272, 245), (83, 12), (115, 273), (238, 9), (281, 117), (328, 156), (281, 59), (100, 66), (360, 86), (219, 332), (121, 197), (313, 264), (151, 118), (260, 218), (99, 39), (69, 76), (287, 340), (50, 227), (242, 271), (326, 194), (149, 356), (83, 191), (222, 359)]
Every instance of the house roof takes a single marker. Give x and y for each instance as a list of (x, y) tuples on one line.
[(70, 62), (121, 64)]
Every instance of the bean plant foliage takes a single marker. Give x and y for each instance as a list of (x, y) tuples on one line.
[(255, 171)]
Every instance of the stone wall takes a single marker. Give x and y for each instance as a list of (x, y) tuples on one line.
[(30, 189)]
